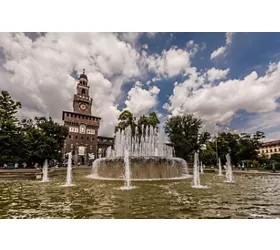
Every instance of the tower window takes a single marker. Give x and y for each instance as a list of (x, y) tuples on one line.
[(83, 92)]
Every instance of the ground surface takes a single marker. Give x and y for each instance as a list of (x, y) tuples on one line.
[(249, 197)]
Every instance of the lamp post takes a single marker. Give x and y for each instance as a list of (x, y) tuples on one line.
[(217, 157)]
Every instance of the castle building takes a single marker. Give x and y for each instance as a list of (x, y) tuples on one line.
[(83, 140), (269, 148)]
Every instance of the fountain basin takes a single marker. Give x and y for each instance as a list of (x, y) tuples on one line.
[(142, 168)]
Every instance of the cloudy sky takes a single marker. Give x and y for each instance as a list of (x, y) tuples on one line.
[(229, 80)]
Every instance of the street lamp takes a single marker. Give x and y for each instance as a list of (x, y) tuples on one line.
[(217, 157)]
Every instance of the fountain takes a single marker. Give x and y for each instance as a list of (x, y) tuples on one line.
[(220, 168), (69, 171), (196, 177), (127, 185), (229, 173), (45, 171), (201, 167), (196, 174), (149, 158)]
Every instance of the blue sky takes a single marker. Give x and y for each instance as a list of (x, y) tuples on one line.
[(208, 74)]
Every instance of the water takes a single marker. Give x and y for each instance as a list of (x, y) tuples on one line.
[(196, 174), (229, 173), (201, 167), (220, 168), (45, 171), (249, 197), (146, 142), (69, 171), (141, 168), (94, 169), (127, 185), (149, 157)]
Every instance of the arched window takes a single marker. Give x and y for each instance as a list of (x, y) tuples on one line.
[(82, 129), (83, 92)]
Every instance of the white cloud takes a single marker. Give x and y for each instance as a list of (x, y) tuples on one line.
[(193, 48), (130, 37), (145, 46), (218, 52), (216, 74), (156, 79), (190, 43), (140, 101), (38, 72), (219, 103), (272, 136), (229, 37), (170, 63), (148, 83), (264, 121), (222, 50)]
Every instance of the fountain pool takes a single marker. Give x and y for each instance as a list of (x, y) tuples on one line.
[(249, 197), (139, 157)]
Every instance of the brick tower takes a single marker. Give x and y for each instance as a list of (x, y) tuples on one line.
[(83, 127)]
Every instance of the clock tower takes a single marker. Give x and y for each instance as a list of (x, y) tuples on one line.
[(82, 139), (82, 102)]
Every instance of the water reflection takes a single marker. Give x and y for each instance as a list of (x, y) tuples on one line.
[(249, 197)]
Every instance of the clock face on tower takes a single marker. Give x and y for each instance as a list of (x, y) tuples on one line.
[(83, 107)]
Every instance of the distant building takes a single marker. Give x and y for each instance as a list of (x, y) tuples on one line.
[(103, 144), (83, 139), (269, 148)]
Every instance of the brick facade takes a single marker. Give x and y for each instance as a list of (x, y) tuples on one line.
[(83, 138)]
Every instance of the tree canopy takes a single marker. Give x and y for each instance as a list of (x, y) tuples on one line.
[(42, 138), (29, 140), (184, 134), (126, 119), (242, 147)]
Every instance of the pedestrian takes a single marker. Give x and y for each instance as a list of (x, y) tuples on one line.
[(273, 167)]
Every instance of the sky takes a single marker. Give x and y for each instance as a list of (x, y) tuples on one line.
[(229, 80)]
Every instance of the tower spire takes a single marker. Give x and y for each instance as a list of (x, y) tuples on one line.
[(84, 71)]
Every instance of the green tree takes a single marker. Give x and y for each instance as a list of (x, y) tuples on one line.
[(153, 119), (208, 155), (183, 132), (10, 134), (28, 140), (248, 145), (44, 139), (228, 143), (275, 158), (126, 119)]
